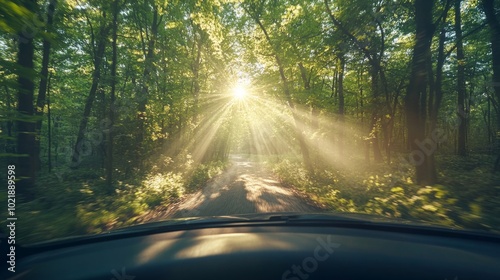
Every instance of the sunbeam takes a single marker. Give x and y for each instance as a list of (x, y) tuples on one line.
[(239, 92)]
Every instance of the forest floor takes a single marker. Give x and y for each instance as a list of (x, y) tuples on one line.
[(245, 187)]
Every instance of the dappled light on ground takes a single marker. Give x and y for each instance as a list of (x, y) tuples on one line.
[(246, 187)]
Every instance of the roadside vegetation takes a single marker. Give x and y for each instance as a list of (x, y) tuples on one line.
[(464, 197), (77, 204)]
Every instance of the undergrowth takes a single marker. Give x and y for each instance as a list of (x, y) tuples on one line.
[(78, 203), (466, 195)]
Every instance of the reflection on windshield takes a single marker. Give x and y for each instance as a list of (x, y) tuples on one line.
[(116, 113)]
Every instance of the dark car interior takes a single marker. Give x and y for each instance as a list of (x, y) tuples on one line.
[(274, 248)]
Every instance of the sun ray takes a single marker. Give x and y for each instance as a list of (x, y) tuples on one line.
[(239, 92)]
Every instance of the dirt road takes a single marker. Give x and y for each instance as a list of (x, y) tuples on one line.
[(246, 187)]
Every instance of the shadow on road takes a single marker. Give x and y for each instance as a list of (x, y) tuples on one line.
[(246, 187)]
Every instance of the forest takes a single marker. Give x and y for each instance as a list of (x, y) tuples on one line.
[(111, 111)]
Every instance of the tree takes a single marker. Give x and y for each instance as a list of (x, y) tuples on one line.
[(461, 112), (98, 45), (415, 100), (254, 10), (375, 56), (148, 42), (42, 88), (109, 134), (494, 24), (26, 166)]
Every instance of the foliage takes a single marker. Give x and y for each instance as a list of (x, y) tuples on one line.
[(389, 191), (204, 173), (79, 204), (161, 189)]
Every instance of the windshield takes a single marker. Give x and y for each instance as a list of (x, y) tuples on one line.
[(119, 113)]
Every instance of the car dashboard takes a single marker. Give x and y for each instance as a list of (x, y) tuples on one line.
[(270, 251)]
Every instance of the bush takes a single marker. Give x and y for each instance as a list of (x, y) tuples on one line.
[(203, 173), (461, 200), (77, 203), (161, 188)]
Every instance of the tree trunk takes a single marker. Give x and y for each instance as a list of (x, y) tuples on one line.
[(10, 145), (49, 127), (26, 162), (314, 111), (195, 68), (340, 87), (494, 24), (417, 90), (461, 112), (373, 133), (109, 131), (42, 89), (96, 75), (341, 107), (438, 82), (143, 99)]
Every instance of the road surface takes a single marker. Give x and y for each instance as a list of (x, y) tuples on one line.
[(245, 187)]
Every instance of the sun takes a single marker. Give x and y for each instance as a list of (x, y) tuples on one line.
[(239, 92)]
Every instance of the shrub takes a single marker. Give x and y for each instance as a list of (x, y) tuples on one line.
[(161, 188), (203, 173)]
